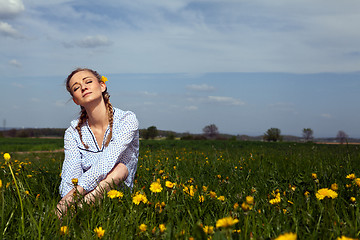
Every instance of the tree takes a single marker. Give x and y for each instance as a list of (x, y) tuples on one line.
[(152, 132), (170, 136), (272, 134), (211, 131), (308, 134), (342, 136)]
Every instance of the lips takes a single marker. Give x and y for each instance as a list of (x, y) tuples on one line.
[(86, 94)]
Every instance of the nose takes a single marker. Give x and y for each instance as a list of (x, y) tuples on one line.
[(83, 87)]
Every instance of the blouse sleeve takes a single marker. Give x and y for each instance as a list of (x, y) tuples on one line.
[(72, 163), (122, 148)]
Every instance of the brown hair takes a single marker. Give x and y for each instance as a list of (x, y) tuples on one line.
[(83, 114)]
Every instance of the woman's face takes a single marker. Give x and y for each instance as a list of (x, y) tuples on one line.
[(85, 87)]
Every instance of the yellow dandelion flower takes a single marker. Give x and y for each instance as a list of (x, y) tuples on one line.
[(249, 200), (156, 187), (138, 198), (226, 222), (352, 199), (162, 228), (276, 200), (212, 194), (64, 230), (325, 192), (143, 227), (74, 181), (29, 176), (236, 206), (204, 188), (0, 184), (346, 238), (99, 232), (7, 157), (169, 184), (221, 198), (334, 187), (287, 236), (357, 181), (208, 230), (306, 194), (201, 198), (115, 194), (314, 176), (351, 176), (245, 207)]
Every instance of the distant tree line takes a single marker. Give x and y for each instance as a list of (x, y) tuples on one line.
[(33, 132), (210, 132)]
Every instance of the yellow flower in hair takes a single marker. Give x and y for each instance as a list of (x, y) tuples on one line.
[(104, 79)]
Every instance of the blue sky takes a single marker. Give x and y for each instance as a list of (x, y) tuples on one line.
[(180, 65)]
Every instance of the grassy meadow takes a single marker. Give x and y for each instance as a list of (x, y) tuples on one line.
[(191, 190)]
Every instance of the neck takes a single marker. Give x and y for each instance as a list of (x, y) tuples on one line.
[(98, 115)]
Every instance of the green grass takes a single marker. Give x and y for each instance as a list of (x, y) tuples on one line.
[(231, 169), (30, 144)]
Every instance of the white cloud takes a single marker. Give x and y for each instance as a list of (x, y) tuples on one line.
[(326, 115), (15, 63), (191, 108), (283, 106), (7, 30), (201, 87), (148, 94), (90, 42), (60, 103), (225, 100), (18, 85), (10, 8)]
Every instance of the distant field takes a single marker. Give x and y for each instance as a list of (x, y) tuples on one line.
[(211, 180), (30, 144)]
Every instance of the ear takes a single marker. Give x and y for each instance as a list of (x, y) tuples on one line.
[(75, 101), (103, 86)]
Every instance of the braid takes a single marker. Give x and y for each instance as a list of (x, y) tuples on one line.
[(110, 116), (82, 119)]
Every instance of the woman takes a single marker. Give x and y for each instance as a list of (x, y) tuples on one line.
[(101, 147)]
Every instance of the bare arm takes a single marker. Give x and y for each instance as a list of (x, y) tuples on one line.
[(117, 174)]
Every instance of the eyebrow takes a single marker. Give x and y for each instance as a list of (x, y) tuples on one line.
[(78, 83)]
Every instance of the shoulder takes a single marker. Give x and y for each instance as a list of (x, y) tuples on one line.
[(125, 117), (73, 124), (121, 115)]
